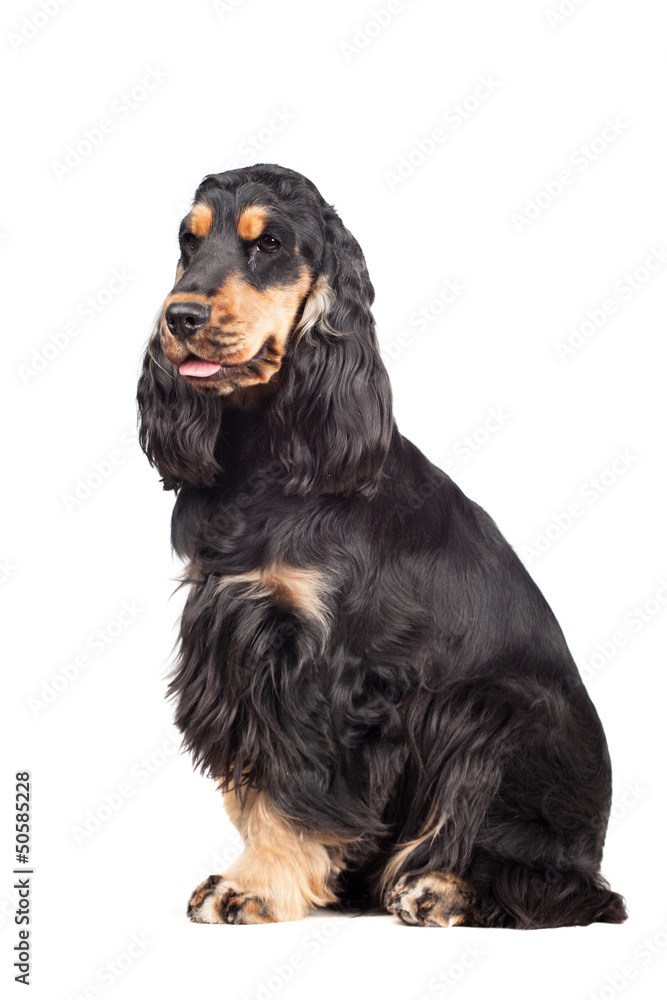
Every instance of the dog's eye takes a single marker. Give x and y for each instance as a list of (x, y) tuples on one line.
[(189, 242), (269, 244)]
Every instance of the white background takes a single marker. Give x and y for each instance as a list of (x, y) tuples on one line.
[(354, 105)]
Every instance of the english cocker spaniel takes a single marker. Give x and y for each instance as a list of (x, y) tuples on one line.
[(365, 666)]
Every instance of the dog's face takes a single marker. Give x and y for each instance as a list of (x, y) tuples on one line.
[(243, 278), (271, 311)]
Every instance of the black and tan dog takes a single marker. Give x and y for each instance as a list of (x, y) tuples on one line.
[(365, 666)]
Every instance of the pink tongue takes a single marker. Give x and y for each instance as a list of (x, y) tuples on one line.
[(199, 368)]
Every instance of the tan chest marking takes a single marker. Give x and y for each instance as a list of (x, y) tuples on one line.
[(294, 587)]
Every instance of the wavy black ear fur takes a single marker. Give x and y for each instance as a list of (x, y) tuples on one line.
[(178, 428), (331, 418)]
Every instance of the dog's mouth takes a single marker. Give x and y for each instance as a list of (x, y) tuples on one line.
[(197, 368), (202, 370)]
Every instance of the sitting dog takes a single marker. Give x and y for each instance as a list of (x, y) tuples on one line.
[(366, 668)]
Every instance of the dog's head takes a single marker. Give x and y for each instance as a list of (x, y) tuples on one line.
[(271, 306)]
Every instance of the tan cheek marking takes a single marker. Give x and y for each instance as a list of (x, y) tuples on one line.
[(252, 222), (255, 315), (290, 586), (288, 869), (201, 219), (244, 319)]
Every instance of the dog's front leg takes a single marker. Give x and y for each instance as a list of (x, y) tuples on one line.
[(283, 872)]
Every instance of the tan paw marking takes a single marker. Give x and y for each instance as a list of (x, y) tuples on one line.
[(216, 901), (433, 900)]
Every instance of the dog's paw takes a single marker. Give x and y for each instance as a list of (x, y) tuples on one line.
[(432, 900), (216, 901)]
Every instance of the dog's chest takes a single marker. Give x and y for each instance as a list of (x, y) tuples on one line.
[(261, 617), (301, 590)]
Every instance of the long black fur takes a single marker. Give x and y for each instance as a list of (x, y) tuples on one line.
[(440, 686)]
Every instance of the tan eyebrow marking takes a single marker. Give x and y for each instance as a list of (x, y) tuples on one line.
[(252, 222), (201, 219)]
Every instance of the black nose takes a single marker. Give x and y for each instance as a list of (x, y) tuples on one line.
[(185, 318)]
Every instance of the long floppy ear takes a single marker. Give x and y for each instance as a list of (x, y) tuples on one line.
[(178, 428), (331, 417)]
